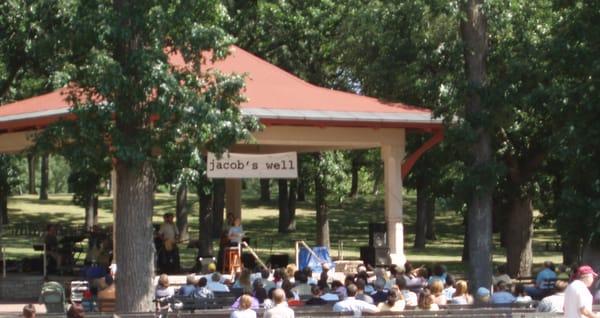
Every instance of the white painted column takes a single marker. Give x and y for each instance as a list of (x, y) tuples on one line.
[(392, 156), (233, 197)]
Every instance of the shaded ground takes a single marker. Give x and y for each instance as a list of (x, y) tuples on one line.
[(348, 225)]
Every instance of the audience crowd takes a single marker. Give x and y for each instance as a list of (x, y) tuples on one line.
[(367, 290)]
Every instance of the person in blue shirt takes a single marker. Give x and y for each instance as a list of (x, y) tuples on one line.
[(502, 295), (189, 288), (544, 282)]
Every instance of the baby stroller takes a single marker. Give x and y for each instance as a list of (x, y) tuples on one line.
[(53, 297)]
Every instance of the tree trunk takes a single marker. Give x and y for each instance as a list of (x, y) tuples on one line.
[(354, 172), (473, 32), (571, 250), (377, 178), (218, 207), (430, 209), (133, 236), (292, 205), (421, 222), (519, 257), (31, 163), (205, 220), (465, 251), (95, 217), (181, 212), (284, 212), (301, 197), (321, 209), (89, 212), (265, 190), (44, 176), (3, 208)]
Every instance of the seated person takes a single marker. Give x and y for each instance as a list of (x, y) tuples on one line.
[(394, 303), (202, 290), (521, 296), (302, 287), (501, 276), (544, 281), (437, 288), (244, 280), (483, 295), (409, 296), (107, 293), (29, 311), (163, 293), (554, 303), (280, 308), (254, 304), (76, 311), (360, 293), (215, 284), (189, 288), (461, 295), (502, 295), (244, 310), (351, 304), (426, 301), (268, 284), (316, 299), (379, 295)]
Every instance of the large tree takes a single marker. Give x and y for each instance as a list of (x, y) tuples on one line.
[(122, 51), (474, 34)]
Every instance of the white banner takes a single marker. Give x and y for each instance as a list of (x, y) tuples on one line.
[(237, 165)]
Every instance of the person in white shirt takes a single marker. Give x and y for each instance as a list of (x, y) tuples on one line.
[(351, 304), (578, 299), (556, 302), (215, 284), (281, 309)]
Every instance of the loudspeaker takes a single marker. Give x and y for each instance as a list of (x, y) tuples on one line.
[(377, 234), (279, 260), (379, 239), (248, 260), (375, 256)]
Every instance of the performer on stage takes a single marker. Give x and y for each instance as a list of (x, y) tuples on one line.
[(168, 255), (236, 232)]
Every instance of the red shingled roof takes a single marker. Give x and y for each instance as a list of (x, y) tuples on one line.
[(273, 94)]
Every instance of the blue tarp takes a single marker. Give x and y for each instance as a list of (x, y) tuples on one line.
[(306, 259)]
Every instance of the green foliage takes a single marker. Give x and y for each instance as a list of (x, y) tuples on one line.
[(10, 174), (32, 46)]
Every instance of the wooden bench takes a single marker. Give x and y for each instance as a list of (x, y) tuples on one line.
[(106, 305)]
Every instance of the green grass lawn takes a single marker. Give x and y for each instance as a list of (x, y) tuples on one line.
[(348, 225)]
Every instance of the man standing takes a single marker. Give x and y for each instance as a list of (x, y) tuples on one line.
[(168, 255), (578, 299)]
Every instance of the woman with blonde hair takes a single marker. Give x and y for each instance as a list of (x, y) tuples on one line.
[(437, 287), (244, 310), (461, 295), (163, 293), (289, 272)]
